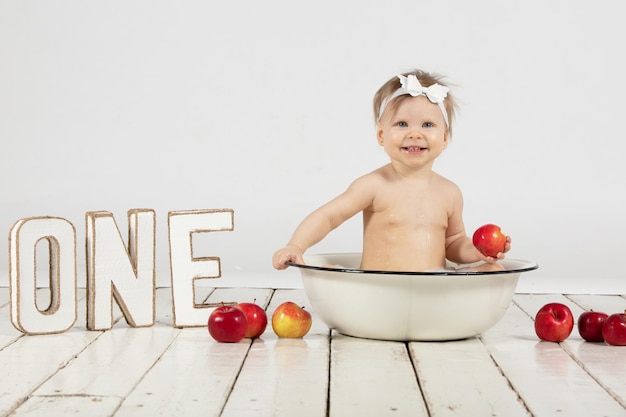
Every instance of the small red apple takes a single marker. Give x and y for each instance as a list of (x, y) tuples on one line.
[(554, 322), (489, 240), (257, 319), (590, 325), (228, 323), (291, 321), (614, 329)]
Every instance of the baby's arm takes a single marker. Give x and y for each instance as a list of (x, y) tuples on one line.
[(462, 251), (459, 247), (312, 230), (322, 221)]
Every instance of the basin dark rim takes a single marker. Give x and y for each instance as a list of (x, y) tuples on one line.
[(529, 267)]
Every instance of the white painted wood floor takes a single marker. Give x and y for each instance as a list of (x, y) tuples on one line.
[(165, 371)]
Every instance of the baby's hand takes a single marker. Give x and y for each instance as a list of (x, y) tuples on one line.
[(289, 253), (499, 255)]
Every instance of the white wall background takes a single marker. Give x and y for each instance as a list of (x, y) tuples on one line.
[(265, 108)]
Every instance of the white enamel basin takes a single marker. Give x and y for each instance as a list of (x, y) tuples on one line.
[(407, 306)]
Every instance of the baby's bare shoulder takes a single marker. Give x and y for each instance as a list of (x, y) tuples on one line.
[(373, 178), (446, 184)]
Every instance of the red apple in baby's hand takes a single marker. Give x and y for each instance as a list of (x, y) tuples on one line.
[(489, 240), (554, 322), (291, 321), (228, 323), (590, 325), (257, 319), (614, 329)]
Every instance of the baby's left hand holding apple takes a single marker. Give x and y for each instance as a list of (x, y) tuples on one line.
[(499, 255)]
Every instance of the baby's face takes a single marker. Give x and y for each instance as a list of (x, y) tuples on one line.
[(416, 134)]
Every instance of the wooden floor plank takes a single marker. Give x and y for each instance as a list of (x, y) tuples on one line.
[(196, 374), (547, 379), (459, 378), (372, 378), (8, 333), (32, 360), (606, 303), (193, 377), (71, 406), (283, 377), (113, 364), (607, 364), (29, 361), (164, 371), (94, 374), (531, 303)]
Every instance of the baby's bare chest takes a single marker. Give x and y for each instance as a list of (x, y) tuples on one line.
[(411, 209)]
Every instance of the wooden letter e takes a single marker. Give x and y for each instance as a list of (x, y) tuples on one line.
[(187, 268)]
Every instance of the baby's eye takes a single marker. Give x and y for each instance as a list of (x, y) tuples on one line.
[(403, 124), (427, 124)]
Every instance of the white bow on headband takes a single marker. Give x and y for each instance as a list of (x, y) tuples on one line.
[(436, 93)]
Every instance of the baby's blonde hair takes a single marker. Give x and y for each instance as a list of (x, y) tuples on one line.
[(426, 79)]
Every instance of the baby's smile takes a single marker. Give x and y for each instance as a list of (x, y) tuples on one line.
[(413, 149)]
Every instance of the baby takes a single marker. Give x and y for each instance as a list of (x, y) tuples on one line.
[(412, 216)]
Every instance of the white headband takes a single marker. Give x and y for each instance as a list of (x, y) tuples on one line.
[(410, 85)]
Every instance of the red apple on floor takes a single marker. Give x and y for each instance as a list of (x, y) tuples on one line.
[(614, 329), (590, 325), (257, 319), (291, 321), (228, 323), (554, 322), (489, 240)]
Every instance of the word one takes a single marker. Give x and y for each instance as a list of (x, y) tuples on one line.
[(114, 271)]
